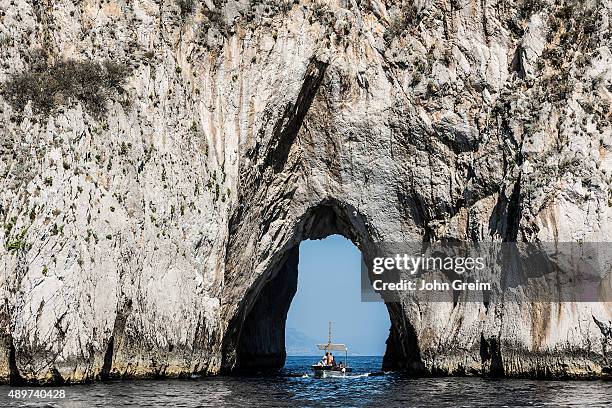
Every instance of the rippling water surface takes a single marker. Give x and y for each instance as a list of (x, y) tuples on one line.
[(295, 387)]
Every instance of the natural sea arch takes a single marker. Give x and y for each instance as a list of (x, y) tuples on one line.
[(255, 338)]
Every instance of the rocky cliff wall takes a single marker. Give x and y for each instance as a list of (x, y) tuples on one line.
[(161, 161)]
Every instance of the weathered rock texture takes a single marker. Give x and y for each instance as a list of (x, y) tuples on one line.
[(142, 239)]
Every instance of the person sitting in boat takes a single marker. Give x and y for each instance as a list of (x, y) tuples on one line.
[(325, 359), (331, 360)]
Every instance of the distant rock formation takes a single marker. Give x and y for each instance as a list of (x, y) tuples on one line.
[(298, 343), (151, 222)]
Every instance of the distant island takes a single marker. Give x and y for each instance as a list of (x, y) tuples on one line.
[(298, 343)]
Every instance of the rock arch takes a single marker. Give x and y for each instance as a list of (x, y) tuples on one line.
[(255, 339)]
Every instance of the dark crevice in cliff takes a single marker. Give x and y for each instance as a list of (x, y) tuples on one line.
[(253, 179), (514, 212), (491, 357), (286, 128), (56, 376), (123, 312), (14, 376), (517, 65), (402, 351), (108, 360)]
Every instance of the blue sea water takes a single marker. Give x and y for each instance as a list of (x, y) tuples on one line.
[(295, 386)]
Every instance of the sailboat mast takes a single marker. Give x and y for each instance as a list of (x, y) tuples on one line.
[(329, 334)]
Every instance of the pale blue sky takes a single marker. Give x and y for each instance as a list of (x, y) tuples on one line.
[(335, 263)]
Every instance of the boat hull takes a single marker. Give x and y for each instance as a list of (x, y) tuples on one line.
[(329, 371)]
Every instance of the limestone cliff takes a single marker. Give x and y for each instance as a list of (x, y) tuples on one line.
[(162, 159)]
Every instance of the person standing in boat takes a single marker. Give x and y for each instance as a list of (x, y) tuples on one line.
[(330, 360)]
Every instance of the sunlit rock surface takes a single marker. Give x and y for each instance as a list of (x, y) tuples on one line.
[(137, 242)]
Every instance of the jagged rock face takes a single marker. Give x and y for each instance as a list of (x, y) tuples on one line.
[(144, 241)]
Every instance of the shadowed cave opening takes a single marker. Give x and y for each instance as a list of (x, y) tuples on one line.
[(261, 327)]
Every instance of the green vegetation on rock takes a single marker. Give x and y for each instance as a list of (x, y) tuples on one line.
[(50, 86)]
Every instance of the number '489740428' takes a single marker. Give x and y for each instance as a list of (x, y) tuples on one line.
[(36, 393)]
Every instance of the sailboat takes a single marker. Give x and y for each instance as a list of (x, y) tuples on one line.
[(323, 368)]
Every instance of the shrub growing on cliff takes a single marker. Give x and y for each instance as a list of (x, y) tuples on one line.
[(186, 7), (5, 40), (407, 17), (18, 242), (50, 86), (528, 7)]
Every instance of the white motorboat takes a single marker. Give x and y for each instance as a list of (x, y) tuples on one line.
[(322, 369)]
